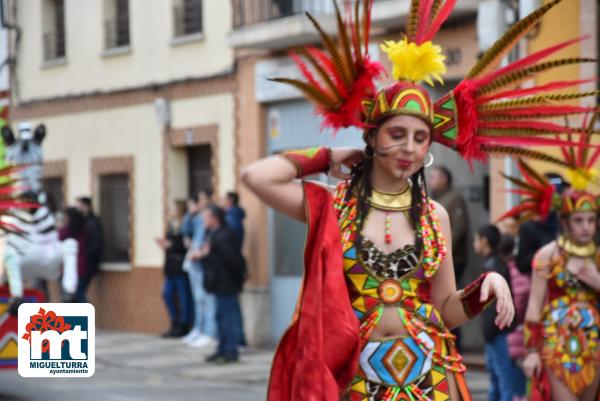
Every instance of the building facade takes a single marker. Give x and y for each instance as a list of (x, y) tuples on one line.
[(138, 100)]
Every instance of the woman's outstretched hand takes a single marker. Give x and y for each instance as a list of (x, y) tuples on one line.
[(495, 284), (344, 157), (532, 365)]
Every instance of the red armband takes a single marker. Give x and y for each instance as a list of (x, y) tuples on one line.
[(470, 297), (533, 335), (309, 161)]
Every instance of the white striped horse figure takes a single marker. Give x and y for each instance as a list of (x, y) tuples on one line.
[(36, 252)]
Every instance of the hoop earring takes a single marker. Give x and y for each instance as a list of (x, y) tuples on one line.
[(366, 154), (430, 162)]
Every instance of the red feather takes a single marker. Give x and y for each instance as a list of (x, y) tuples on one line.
[(539, 110), (326, 63), (442, 16), (517, 141), (515, 211), (546, 126), (309, 76), (424, 17), (533, 90), (594, 158), (564, 152), (531, 59), (367, 32), (349, 114)]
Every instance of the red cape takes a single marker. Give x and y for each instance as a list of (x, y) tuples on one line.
[(318, 355)]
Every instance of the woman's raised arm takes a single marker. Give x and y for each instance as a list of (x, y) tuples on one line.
[(273, 179)]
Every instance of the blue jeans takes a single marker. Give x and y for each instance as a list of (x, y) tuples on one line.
[(228, 321), (204, 303), (178, 286), (505, 376)]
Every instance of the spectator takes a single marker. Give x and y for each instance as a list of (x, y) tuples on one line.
[(176, 281), (205, 325), (440, 184), (509, 226), (187, 225), (499, 364), (225, 272), (234, 215), (93, 246), (73, 226), (521, 285), (535, 233)]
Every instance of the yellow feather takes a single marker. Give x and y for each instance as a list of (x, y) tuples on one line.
[(414, 62)]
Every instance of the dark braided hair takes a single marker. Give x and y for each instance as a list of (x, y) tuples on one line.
[(360, 185)]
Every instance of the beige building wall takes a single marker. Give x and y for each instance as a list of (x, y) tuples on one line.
[(153, 56), (129, 131), (203, 111)]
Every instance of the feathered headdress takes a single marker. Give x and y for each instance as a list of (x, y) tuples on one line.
[(485, 114), (342, 74), (540, 197)]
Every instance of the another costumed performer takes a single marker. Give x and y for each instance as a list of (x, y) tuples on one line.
[(379, 296), (563, 315)]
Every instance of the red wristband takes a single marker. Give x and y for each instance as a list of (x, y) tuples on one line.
[(309, 161), (471, 295), (533, 334)]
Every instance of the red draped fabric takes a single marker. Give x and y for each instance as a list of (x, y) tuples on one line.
[(318, 355)]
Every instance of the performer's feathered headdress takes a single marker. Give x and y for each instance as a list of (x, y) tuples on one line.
[(540, 197), (485, 114)]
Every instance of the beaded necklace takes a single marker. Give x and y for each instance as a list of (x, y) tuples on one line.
[(430, 230)]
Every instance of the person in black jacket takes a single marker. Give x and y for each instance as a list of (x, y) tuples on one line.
[(94, 246), (224, 276), (176, 280), (535, 233), (506, 380)]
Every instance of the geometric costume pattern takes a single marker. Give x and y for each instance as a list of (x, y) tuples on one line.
[(571, 325), (414, 366), (8, 327)]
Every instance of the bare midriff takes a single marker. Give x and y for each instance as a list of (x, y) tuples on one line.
[(390, 324)]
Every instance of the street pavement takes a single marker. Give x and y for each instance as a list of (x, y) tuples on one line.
[(133, 366)]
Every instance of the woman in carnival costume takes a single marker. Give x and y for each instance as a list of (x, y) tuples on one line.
[(379, 297), (563, 314)]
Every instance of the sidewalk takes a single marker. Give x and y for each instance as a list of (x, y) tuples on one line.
[(133, 366), (133, 351)]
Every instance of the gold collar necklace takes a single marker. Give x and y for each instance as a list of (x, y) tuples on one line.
[(391, 201), (582, 251)]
